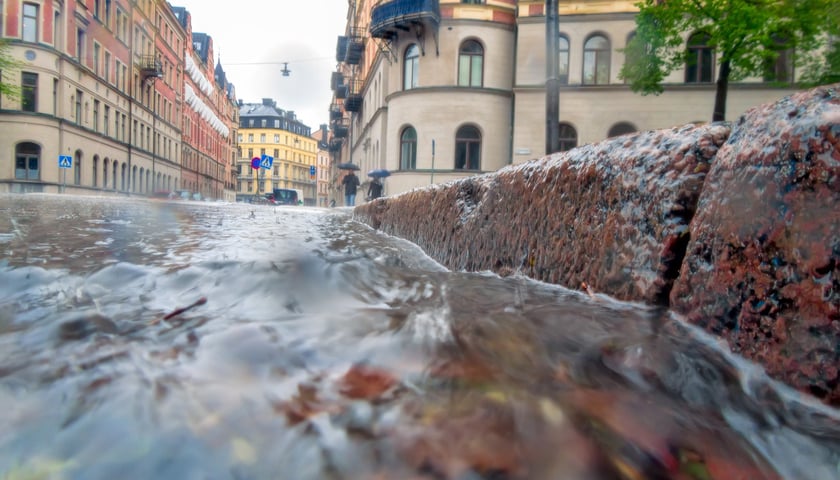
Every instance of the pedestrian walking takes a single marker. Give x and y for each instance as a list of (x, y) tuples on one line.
[(350, 183), (375, 189)]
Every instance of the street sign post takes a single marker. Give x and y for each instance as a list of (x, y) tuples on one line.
[(65, 162), (312, 172)]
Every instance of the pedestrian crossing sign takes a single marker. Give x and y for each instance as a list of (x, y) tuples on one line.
[(266, 162), (65, 161)]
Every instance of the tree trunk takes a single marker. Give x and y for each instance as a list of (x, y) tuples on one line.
[(719, 113)]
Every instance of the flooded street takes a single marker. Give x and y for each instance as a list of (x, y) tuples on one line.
[(186, 340)]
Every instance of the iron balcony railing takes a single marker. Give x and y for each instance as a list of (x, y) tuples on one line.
[(354, 100), (388, 18)]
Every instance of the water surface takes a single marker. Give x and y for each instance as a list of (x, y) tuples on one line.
[(187, 340)]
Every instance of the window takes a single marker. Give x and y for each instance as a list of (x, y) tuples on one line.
[(621, 128), (77, 168), (596, 61), (106, 119), (29, 92), (276, 138), (80, 45), (106, 71), (411, 67), (105, 173), (780, 68), (568, 137), (239, 138), (97, 51), (468, 148), (563, 60), (79, 107), (96, 115), (471, 64), (408, 149), (262, 138), (698, 65), (30, 22), (108, 13), (250, 138), (263, 123), (27, 161)]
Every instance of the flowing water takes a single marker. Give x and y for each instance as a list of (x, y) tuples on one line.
[(182, 340)]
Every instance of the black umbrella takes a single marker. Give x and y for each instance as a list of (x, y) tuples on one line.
[(379, 173), (348, 166)]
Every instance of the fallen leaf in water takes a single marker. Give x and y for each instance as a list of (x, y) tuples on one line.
[(365, 382)]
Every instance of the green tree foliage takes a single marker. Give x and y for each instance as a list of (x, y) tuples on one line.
[(8, 66), (747, 36)]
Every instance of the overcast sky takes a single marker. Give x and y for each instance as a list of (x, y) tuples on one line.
[(251, 34)]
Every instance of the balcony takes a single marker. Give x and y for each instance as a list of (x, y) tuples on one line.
[(340, 129), (389, 18), (342, 91), (335, 145), (335, 112), (336, 80), (149, 67), (355, 47), (341, 49), (354, 100)]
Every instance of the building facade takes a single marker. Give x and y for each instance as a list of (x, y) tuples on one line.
[(208, 132), (435, 90), (265, 130), (102, 99), (323, 186)]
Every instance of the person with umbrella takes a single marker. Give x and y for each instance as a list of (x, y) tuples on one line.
[(375, 189), (350, 182)]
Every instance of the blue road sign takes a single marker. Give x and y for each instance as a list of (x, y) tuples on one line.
[(65, 161), (312, 170), (267, 161)]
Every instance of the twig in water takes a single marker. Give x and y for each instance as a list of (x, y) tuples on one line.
[(200, 301)]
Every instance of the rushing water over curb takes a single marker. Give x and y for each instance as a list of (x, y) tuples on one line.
[(190, 340)]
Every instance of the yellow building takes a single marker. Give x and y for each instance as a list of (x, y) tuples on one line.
[(265, 130)]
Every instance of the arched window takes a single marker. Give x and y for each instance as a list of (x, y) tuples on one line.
[(114, 175), (471, 64), (134, 178), (411, 67), (95, 170), (77, 168), (123, 174), (468, 148), (408, 149), (596, 61), (621, 128), (568, 137), (27, 161), (105, 173), (699, 63), (563, 60)]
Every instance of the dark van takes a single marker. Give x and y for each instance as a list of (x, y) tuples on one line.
[(285, 196)]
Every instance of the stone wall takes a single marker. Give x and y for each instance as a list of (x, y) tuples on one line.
[(735, 226)]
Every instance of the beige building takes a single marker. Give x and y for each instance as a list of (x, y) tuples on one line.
[(102, 93), (438, 90)]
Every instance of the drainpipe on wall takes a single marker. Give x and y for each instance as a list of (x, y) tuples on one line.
[(552, 83)]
